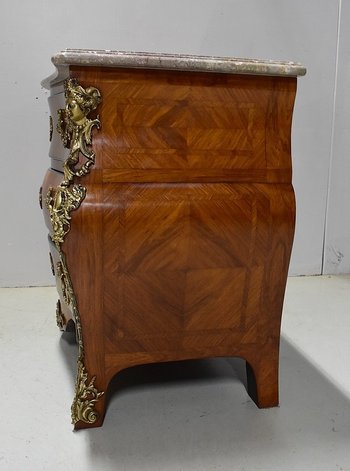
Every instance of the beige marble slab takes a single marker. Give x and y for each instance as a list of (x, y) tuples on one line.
[(147, 60)]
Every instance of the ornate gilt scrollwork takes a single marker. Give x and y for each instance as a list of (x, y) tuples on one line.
[(75, 128), (86, 396), (66, 284), (60, 202)]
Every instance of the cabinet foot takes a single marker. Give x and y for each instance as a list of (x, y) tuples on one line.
[(89, 404), (262, 381)]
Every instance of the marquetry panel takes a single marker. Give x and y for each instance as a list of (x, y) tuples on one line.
[(157, 120), (180, 248), (182, 259)]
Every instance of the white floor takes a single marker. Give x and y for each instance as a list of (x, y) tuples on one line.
[(183, 416)]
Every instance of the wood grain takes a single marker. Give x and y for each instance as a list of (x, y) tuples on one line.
[(181, 248)]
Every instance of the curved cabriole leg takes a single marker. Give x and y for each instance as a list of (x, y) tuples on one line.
[(262, 379), (91, 397)]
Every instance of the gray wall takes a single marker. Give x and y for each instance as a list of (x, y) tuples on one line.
[(31, 31), (337, 242)]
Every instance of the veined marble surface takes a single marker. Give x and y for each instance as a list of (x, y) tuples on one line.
[(193, 63)]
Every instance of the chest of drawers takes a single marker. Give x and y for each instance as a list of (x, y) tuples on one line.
[(170, 212)]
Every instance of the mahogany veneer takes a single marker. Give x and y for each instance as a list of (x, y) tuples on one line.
[(180, 249)]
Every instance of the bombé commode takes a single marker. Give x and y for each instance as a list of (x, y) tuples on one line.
[(170, 212)]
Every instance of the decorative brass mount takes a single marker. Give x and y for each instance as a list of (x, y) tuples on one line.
[(60, 202), (86, 396), (75, 129)]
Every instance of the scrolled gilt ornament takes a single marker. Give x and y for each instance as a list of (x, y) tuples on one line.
[(86, 396), (70, 300), (66, 285), (60, 202), (75, 128)]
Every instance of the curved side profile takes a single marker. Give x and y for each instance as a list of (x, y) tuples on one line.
[(61, 200), (172, 225)]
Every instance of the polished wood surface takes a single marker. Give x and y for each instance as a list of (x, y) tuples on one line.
[(181, 247)]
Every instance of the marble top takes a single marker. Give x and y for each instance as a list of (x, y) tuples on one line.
[(193, 63)]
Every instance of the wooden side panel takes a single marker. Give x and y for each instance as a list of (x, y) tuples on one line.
[(181, 247), (83, 247), (279, 124), (162, 126), (192, 267)]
